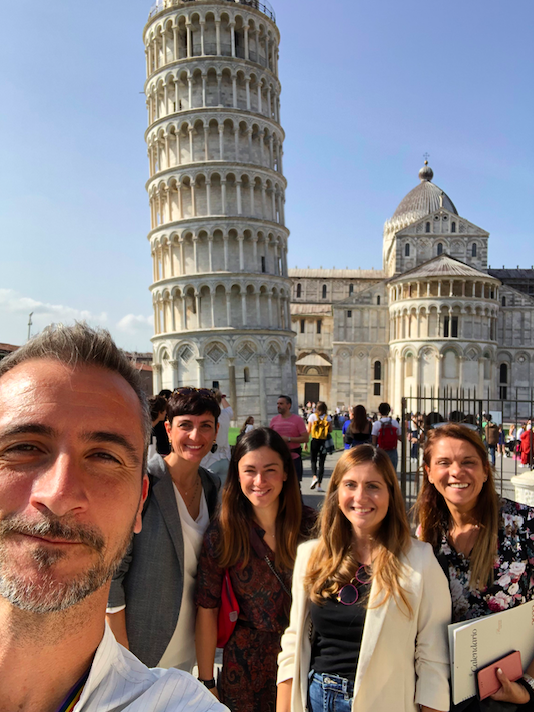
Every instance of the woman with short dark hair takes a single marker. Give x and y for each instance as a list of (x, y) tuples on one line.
[(150, 606)]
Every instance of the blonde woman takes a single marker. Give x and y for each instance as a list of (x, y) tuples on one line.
[(368, 624)]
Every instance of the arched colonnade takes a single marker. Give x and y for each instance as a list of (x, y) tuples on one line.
[(190, 252), (220, 305), (213, 86), (203, 33), (438, 321), (218, 192), (445, 287), (214, 138), (472, 366)]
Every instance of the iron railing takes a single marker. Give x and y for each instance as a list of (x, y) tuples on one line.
[(263, 7)]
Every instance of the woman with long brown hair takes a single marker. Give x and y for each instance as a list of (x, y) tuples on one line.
[(484, 543), (357, 431), (255, 538), (368, 625)]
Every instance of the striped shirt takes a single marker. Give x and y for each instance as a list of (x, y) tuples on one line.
[(119, 681)]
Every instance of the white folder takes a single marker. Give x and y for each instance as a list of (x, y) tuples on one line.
[(477, 643)]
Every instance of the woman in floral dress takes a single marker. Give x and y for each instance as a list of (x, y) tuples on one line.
[(255, 538), (485, 544)]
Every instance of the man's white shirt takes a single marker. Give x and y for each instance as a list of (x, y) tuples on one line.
[(119, 681)]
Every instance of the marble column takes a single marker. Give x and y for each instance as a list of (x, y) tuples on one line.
[(174, 373), (200, 376), (233, 388), (262, 394), (156, 377)]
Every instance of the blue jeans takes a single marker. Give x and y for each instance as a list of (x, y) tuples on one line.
[(394, 457), (329, 693), (491, 450)]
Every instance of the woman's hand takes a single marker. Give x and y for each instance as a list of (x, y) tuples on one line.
[(215, 692), (510, 691)]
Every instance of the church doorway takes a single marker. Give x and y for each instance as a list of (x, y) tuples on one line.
[(311, 392)]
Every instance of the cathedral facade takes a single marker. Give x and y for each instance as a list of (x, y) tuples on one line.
[(435, 317)]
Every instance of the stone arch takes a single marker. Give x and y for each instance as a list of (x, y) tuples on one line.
[(429, 355), (246, 349), (214, 352)]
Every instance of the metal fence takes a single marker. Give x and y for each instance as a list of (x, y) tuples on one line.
[(428, 408), (263, 7)]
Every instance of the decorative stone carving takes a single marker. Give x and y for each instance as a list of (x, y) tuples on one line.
[(215, 353), (246, 352), (185, 353), (272, 352)]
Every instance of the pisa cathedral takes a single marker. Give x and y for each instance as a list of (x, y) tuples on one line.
[(435, 316), (229, 313)]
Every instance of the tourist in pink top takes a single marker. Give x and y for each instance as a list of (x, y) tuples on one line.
[(293, 430)]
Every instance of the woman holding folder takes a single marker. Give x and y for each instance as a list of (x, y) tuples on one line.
[(485, 544), (368, 624)]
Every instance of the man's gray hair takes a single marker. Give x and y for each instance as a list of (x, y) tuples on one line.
[(80, 345)]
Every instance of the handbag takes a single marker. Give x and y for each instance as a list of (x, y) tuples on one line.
[(228, 612), (329, 445)]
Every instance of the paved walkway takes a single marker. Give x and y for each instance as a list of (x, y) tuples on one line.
[(311, 497)]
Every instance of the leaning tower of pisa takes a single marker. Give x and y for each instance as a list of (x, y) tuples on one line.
[(216, 189)]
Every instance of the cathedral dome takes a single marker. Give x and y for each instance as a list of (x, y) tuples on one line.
[(424, 198)]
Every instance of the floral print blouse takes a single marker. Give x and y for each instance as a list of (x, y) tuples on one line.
[(513, 567)]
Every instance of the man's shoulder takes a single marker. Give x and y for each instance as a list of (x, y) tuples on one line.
[(119, 681), (175, 691), (298, 423)]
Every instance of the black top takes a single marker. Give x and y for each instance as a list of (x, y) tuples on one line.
[(360, 438), (338, 631), (163, 445)]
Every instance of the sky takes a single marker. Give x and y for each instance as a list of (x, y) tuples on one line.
[(367, 89)]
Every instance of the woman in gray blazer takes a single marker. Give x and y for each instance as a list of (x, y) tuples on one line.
[(150, 606)]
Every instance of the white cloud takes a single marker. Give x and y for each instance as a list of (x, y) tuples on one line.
[(136, 324), (12, 303)]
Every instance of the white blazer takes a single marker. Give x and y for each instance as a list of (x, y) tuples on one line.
[(404, 662)]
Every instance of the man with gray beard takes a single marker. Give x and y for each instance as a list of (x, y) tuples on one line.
[(74, 428)]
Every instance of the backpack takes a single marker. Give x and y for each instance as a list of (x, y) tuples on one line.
[(387, 436), (319, 428), (492, 433)]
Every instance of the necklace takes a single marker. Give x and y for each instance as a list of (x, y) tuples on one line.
[(195, 491), (349, 593)]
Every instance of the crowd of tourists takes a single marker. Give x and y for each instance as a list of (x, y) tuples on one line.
[(344, 610)]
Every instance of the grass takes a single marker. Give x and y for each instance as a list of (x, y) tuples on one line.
[(336, 434)]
